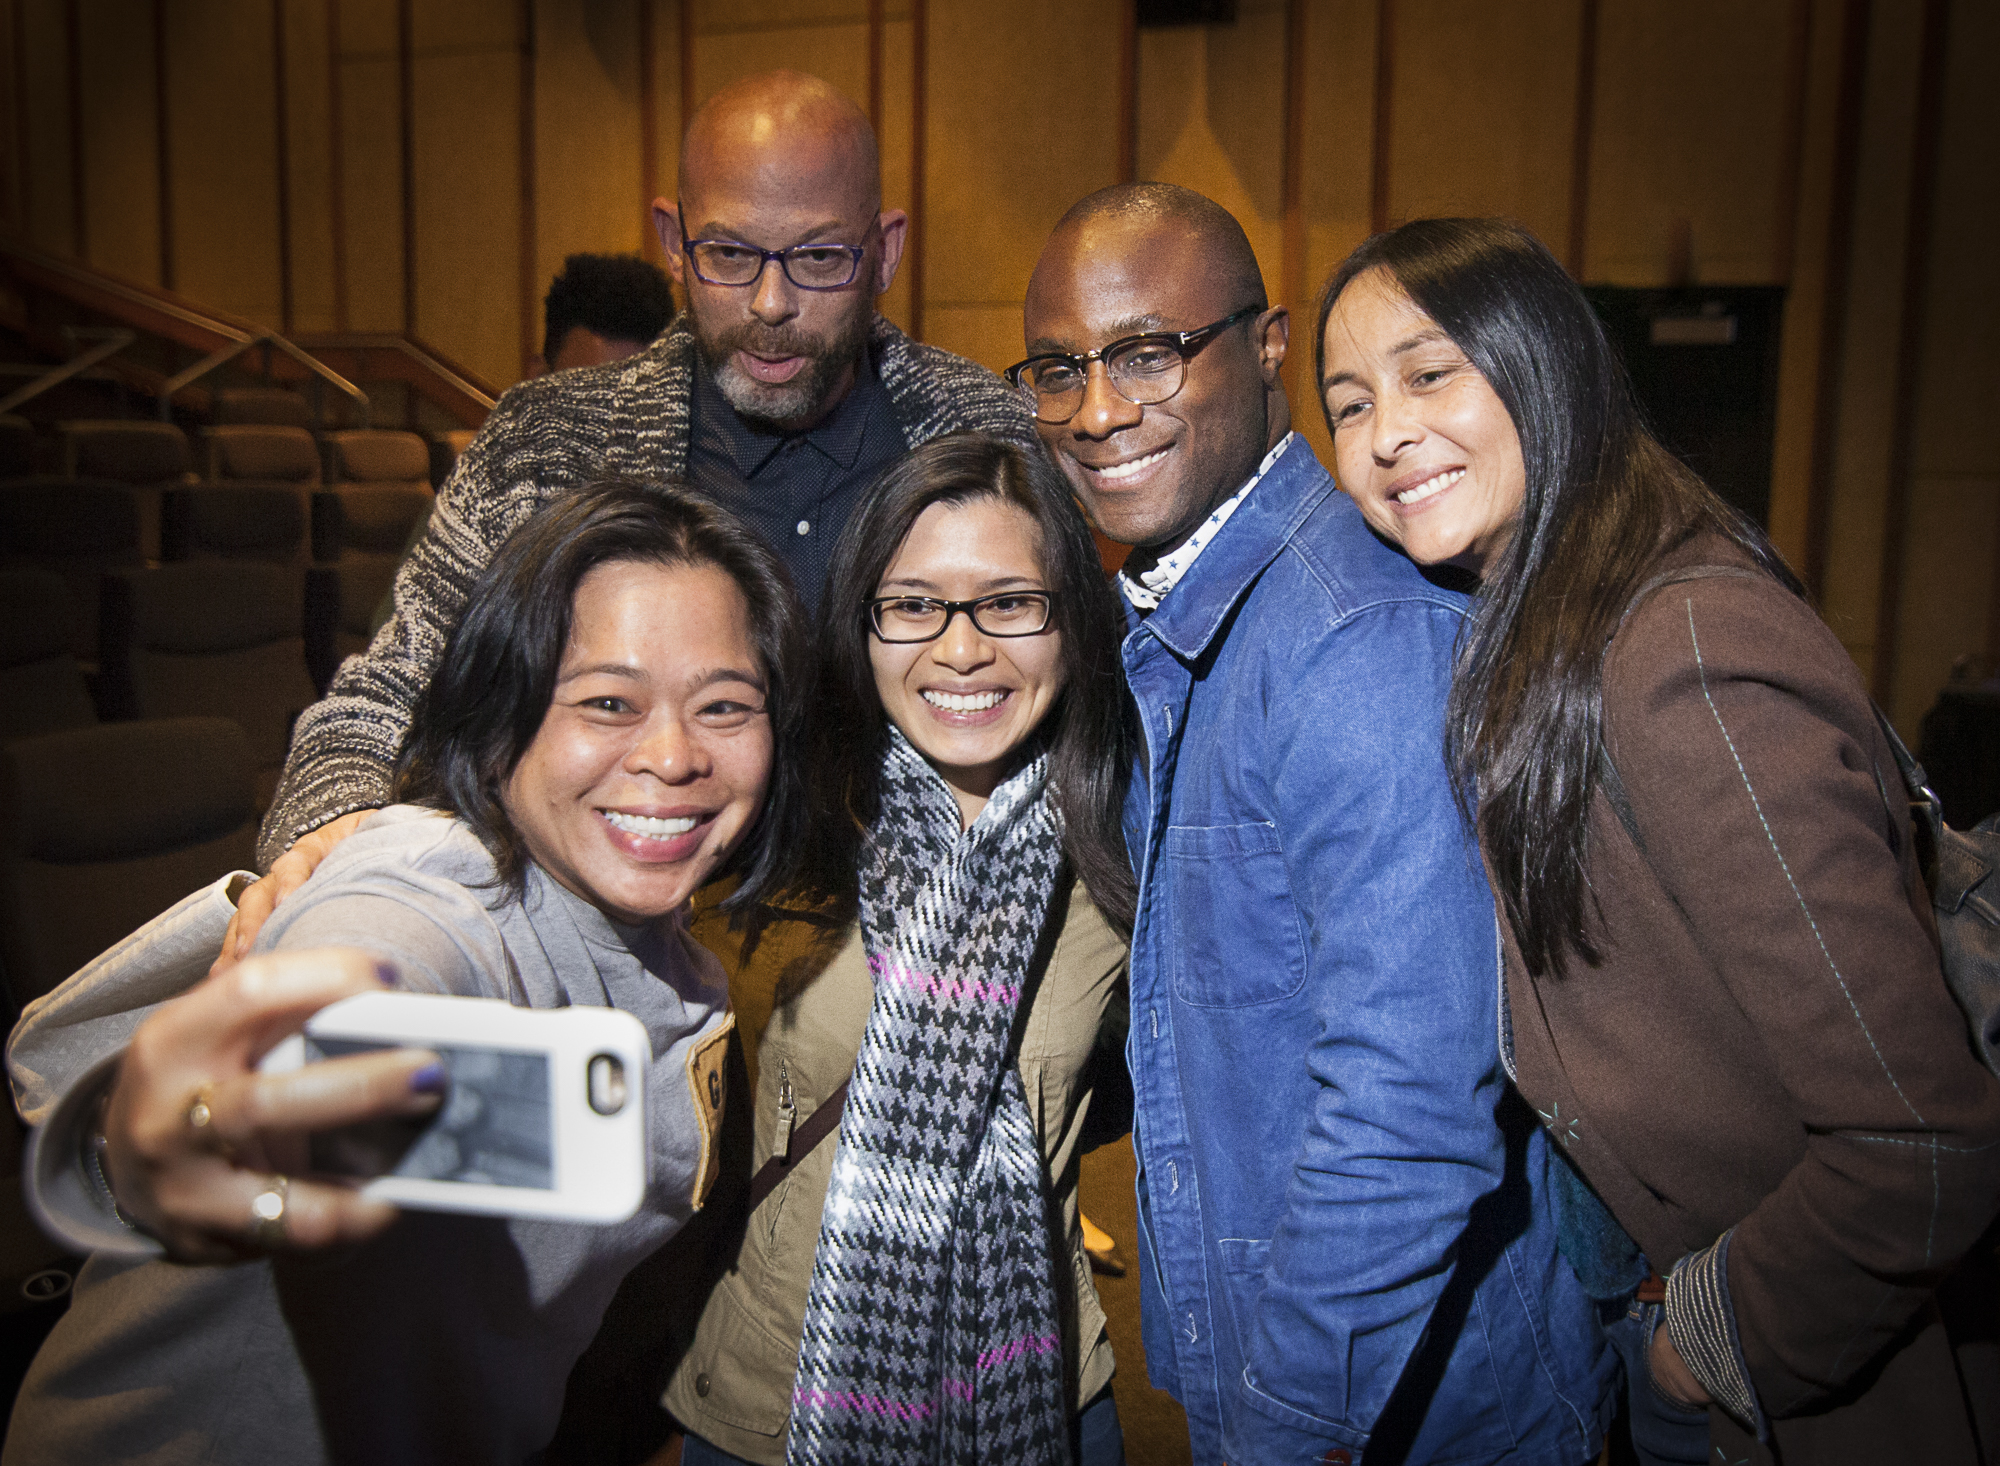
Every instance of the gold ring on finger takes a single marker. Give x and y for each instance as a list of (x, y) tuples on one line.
[(267, 1213)]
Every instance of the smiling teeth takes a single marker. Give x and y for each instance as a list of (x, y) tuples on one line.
[(643, 824), (1126, 470), (1430, 486), (952, 702)]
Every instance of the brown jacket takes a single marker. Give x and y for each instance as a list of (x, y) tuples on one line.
[(1768, 1048), (734, 1386)]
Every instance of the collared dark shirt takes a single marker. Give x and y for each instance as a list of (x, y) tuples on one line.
[(795, 489)]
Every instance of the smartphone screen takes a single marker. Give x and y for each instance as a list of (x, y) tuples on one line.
[(495, 1128)]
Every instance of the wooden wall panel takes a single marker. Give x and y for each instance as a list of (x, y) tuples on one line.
[(992, 190), (1691, 126), (50, 162), (1483, 111), (666, 116), (589, 194), (1961, 363), (1211, 118), (836, 52), (1953, 547), (1874, 323), (120, 137), (1338, 132), (309, 146), (370, 125), (895, 139), (467, 191), (221, 108), (1799, 387)]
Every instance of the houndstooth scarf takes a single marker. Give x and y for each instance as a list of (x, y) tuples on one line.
[(931, 1332)]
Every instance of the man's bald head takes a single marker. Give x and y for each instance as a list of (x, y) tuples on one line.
[(1167, 208), (1151, 259), (785, 120), (772, 165)]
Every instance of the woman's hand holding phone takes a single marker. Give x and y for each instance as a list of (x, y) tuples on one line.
[(200, 1148)]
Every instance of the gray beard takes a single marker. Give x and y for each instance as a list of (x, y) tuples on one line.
[(782, 406)]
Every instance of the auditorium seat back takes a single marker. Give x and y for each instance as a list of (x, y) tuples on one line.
[(270, 405), (220, 639), (130, 452), (41, 682), (103, 828), (261, 451), (78, 529), (17, 446), (234, 521)]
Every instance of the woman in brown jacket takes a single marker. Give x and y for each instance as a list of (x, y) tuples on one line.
[(1722, 984)]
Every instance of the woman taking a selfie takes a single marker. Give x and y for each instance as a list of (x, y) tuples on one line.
[(608, 729), (917, 1291), (1722, 979)]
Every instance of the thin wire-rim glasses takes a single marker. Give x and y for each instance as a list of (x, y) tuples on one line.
[(1145, 370), (1034, 609)]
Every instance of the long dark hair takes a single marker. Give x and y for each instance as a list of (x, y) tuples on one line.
[(1088, 731), (1604, 502), (498, 673)]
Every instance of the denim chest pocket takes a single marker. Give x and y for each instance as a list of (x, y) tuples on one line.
[(1236, 934)]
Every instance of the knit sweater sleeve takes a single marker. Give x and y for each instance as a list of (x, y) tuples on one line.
[(545, 437)]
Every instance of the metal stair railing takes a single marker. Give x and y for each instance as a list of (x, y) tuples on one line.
[(221, 357), (110, 341)]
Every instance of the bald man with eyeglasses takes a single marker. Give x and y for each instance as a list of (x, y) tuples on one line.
[(779, 392)]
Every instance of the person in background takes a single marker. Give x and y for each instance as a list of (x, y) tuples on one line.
[(601, 309), (613, 726), (778, 393), (1723, 987), (969, 744), (1348, 1247)]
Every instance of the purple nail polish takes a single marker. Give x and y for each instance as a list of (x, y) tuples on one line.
[(386, 974), (431, 1079)]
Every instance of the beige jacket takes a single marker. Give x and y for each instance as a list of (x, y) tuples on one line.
[(734, 1386)]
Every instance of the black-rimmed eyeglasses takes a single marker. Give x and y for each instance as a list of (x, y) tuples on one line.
[(902, 619), (1144, 369), (808, 266)]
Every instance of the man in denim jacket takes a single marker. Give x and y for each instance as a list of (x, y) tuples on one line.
[(1348, 1244)]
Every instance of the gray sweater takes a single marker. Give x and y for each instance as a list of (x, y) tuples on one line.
[(549, 437), (449, 1338)]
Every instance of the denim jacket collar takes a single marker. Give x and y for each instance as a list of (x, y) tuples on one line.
[(1193, 611)]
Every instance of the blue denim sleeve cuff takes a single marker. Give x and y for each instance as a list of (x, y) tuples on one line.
[(1702, 1324)]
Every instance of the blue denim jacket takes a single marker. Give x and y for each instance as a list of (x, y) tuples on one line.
[(1347, 1236)]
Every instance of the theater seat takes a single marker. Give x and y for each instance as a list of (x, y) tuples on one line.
[(234, 521), (261, 451), (17, 446), (149, 456), (41, 682), (377, 456), (273, 405), (79, 530), (103, 828), (212, 639)]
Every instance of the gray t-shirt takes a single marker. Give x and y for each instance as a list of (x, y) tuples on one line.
[(449, 1338)]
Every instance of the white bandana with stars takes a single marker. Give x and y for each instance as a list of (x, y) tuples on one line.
[(1152, 585)]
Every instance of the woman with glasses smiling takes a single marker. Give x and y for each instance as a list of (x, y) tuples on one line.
[(918, 1291)]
